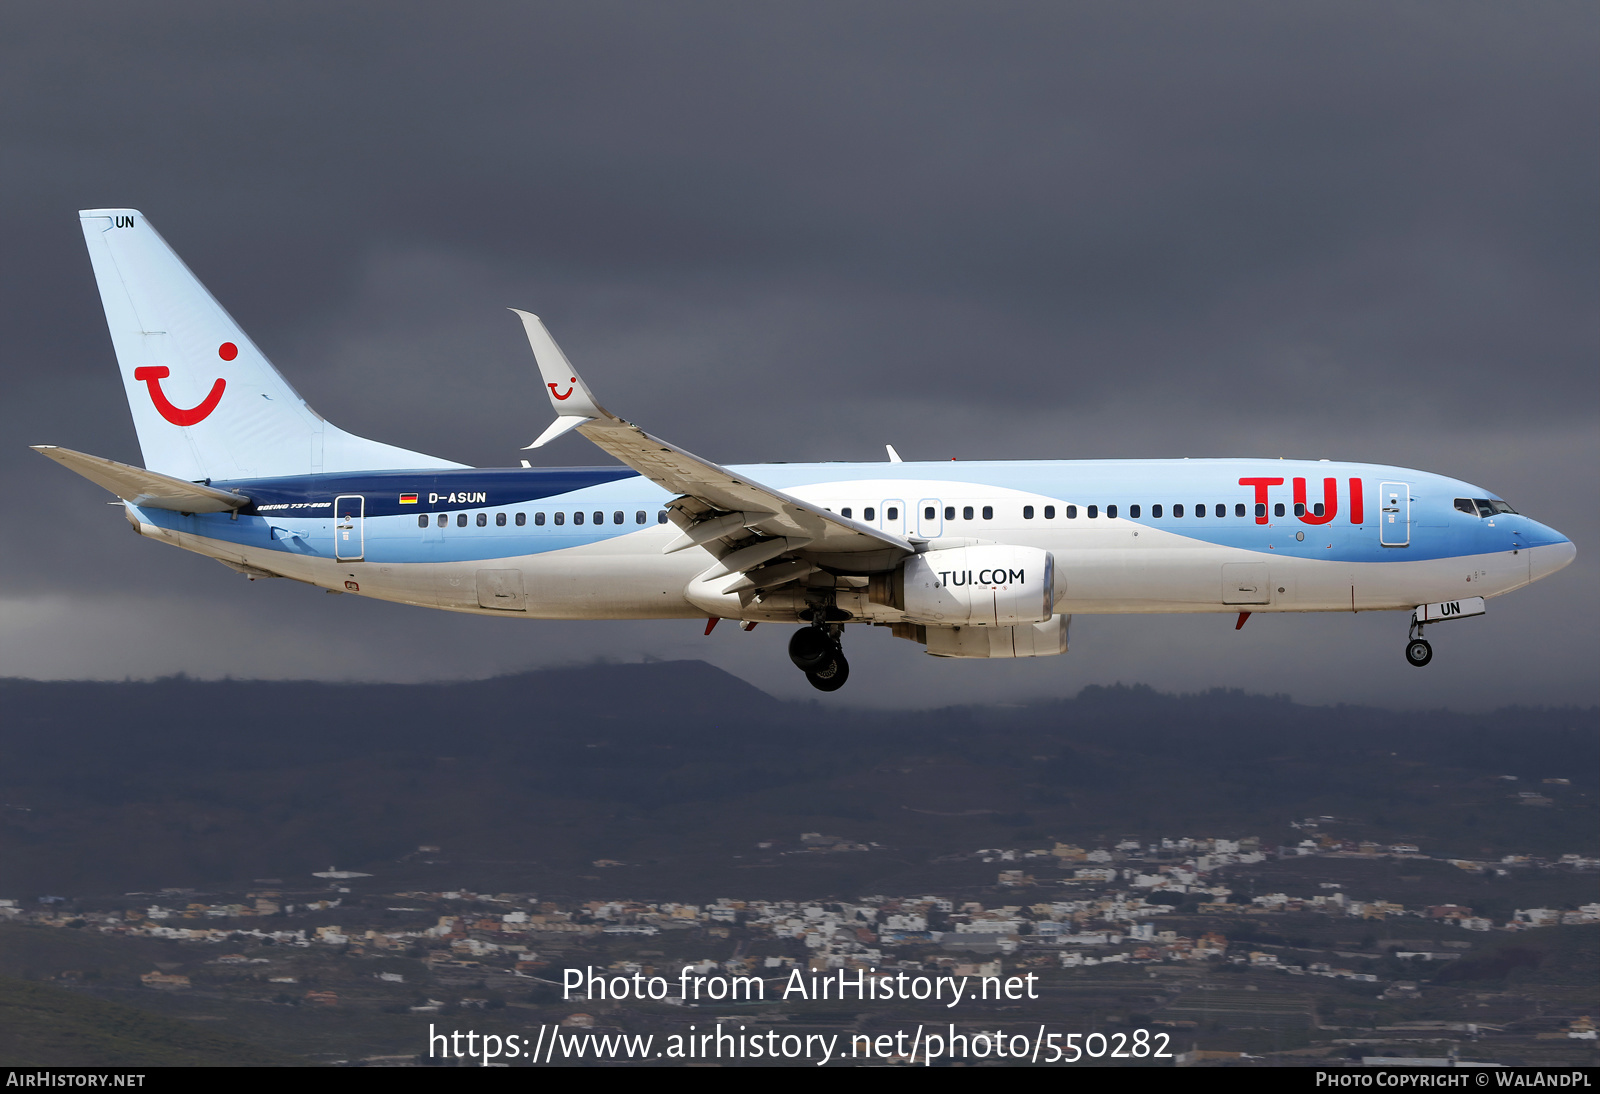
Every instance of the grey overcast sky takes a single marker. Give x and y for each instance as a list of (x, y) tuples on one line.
[(799, 231)]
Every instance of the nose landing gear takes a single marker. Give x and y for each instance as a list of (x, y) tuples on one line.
[(815, 650), (1418, 651)]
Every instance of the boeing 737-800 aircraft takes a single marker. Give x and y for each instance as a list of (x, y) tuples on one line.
[(967, 559)]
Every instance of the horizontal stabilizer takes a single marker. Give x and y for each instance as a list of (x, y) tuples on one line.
[(146, 488)]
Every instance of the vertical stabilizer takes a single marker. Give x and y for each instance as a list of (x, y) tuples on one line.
[(207, 404)]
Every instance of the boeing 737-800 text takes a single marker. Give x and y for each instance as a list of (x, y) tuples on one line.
[(968, 559)]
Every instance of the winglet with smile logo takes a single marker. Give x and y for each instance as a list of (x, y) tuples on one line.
[(569, 395)]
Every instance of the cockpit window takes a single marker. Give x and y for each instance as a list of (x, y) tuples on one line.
[(1482, 507)]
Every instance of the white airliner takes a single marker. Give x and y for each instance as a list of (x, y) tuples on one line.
[(967, 559)]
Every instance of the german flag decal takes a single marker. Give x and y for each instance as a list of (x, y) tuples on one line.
[(408, 499)]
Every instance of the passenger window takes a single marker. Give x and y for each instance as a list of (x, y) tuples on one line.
[(441, 520), (1277, 510), (1299, 508), (928, 512), (1049, 512), (522, 518), (1155, 511), (577, 518), (869, 513), (846, 511), (1261, 508), (988, 512), (616, 518), (538, 518), (1317, 509), (483, 520), (1111, 511), (599, 518), (1094, 511), (1133, 511), (461, 520), (1238, 510), (661, 516), (949, 512), (1464, 505), (1027, 512), (561, 518), (891, 513), (422, 521), (1200, 510), (499, 520), (1072, 512), (966, 512), (1177, 510), (638, 518), (1222, 510)]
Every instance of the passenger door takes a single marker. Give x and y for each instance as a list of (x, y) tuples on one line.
[(1394, 514), (348, 527)]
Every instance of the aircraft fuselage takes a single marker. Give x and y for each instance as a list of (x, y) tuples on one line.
[(1195, 535)]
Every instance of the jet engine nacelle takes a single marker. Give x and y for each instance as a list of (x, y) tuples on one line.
[(1029, 640), (996, 586)]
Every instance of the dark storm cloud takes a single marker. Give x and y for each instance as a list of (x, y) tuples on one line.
[(796, 231)]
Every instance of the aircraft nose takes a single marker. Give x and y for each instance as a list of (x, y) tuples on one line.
[(1548, 558)]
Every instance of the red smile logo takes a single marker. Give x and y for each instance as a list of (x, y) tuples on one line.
[(152, 375), (554, 394)]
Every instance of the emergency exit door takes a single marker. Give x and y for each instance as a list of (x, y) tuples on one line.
[(348, 511)]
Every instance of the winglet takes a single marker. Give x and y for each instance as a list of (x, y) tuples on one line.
[(561, 425), (569, 395), (894, 457)]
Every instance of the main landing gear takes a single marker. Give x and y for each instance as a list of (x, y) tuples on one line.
[(815, 651), (1418, 651)]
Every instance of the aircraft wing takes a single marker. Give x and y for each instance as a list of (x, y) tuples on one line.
[(141, 487), (715, 503)]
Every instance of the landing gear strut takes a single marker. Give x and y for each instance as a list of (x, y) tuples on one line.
[(1418, 651), (815, 651)]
